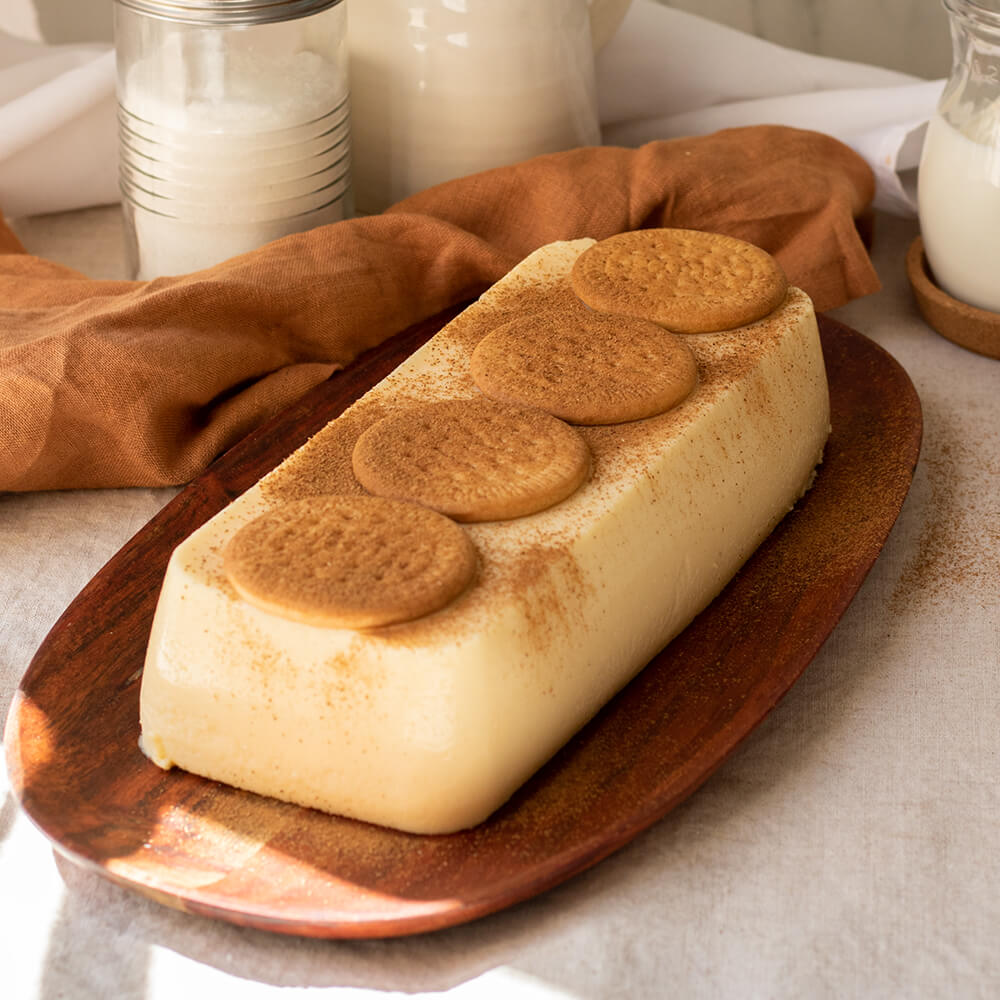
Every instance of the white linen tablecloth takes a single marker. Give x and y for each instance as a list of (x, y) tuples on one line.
[(850, 848)]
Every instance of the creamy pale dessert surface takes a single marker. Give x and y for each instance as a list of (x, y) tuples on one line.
[(430, 725)]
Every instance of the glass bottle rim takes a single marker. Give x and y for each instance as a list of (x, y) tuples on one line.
[(227, 12), (982, 13)]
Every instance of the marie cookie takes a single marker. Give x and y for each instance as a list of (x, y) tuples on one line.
[(585, 367), (472, 459), (350, 562), (686, 280)]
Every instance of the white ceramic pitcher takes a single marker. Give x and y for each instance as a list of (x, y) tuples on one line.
[(444, 88)]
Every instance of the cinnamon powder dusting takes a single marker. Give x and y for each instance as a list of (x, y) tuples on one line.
[(510, 568), (962, 526)]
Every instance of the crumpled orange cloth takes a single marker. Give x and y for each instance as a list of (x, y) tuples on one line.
[(120, 383)]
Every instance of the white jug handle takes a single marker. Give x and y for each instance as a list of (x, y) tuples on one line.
[(605, 17)]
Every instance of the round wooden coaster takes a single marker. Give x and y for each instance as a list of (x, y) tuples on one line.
[(968, 326)]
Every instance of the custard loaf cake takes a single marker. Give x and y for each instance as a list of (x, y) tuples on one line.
[(412, 613)]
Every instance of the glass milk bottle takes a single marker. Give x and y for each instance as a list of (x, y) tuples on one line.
[(444, 88), (233, 124), (959, 176)]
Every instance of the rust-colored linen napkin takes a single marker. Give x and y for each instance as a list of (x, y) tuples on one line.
[(119, 383)]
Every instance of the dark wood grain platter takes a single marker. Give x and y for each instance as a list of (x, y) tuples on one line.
[(71, 737)]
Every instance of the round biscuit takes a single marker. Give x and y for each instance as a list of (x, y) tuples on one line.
[(472, 459), (585, 367), (686, 280), (350, 561)]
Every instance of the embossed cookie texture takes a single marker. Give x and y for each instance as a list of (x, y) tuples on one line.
[(472, 459), (350, 562), (584, 366), (686, 280)]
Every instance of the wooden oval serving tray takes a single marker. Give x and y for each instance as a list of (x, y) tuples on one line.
[(210, 849)]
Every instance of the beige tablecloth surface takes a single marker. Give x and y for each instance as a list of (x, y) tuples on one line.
[(850, 848)]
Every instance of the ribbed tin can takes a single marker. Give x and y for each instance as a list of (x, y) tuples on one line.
[(234, 126)]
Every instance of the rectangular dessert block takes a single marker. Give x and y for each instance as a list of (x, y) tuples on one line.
[(429, 726)]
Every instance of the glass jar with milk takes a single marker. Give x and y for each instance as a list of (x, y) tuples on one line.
[(959, 175), (233, 124)]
